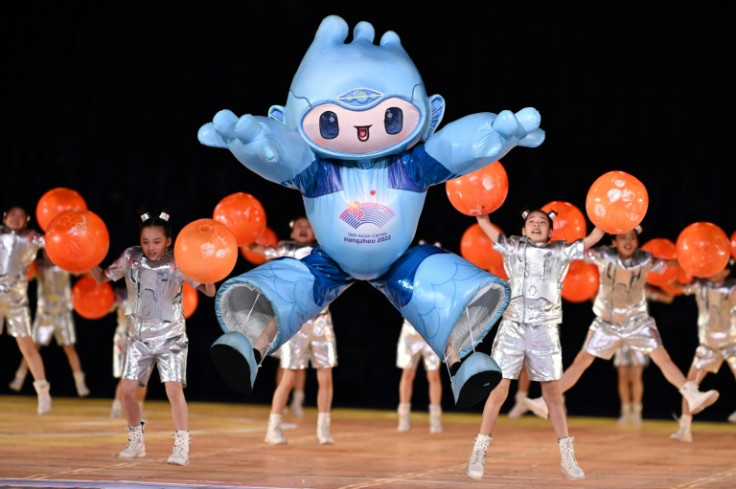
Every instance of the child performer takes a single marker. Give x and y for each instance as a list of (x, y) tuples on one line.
[(622, 317), (18, 249), (528, 334), (314, 343), (156, 330), (54, 320), (410, 349), (716, 300)]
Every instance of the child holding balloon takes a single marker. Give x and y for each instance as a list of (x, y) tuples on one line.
[(716, 300), (528, 334), (18, 249), (156, 330), (622, 317), (54, 320), (315, 342)]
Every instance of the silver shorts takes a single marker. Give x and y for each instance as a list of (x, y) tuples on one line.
[(605, 338), (59, 326), (168, 354), (628, 357), (411, 347), (710, 360), (314, 342), (537, 345), (18, 319)]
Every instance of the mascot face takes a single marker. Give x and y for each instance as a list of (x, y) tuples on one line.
[(358, 100)]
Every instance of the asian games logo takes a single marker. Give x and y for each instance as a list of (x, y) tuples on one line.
[(358, 214)]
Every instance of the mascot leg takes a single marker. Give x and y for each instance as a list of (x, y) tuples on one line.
[(453, 304), (259, 311)]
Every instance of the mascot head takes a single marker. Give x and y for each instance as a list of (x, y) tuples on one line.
[(358, 101)]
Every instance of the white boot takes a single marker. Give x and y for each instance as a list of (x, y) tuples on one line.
[(732, 417), (636, 414), (477, 458), (19, 379), (519, 408), (568, 463), (297, 401), (44, 398), (135, 448), (435, 419), (323, 429), (626, 410), (274, 435), (180, 454), (537, 406), (404, 416), (82, 390), (117, 409), (696, 399), (684, 433)]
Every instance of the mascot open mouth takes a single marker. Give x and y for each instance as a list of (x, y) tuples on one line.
[(363, 133)]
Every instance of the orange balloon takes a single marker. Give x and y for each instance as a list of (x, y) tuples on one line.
[(477, 248), (569, 224), (733, 245), (77, 240), (92, 300), (56, 201), (243, 214), (581, 282), (480, 192), (703, 249), (667, 250), (267, 238), (205, 251), (616, 202), (189, 300)]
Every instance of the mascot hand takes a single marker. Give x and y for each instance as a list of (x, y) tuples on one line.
[(264, 145), (523, 126)]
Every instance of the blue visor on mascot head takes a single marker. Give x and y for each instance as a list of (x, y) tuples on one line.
[(358, 100)]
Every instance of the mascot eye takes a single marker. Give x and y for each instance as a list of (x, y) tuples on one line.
[(393, 120), (328, 126)]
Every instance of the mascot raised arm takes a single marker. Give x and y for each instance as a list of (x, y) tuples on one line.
[(358, 139)]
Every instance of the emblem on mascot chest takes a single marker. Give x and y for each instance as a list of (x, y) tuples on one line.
[(358, 214)]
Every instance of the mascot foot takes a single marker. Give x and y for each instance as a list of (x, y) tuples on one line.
[(236, 361), (475, 379)]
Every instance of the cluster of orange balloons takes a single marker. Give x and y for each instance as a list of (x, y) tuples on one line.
[(76, 238), (206, 250)]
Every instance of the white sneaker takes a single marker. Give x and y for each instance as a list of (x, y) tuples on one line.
[(568, 462), (117, 409), (82, 390), (180, 453), (43, 389), (518, 410), (732, 418), (135, 448), (274, 434), (323, 429), (697, 400), (17, 383), (537, 406), (435, 419), (625, 418), (404, 411), (683, 433), (477, 459)]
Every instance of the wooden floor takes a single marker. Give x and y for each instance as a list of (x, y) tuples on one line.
[(75, 447)]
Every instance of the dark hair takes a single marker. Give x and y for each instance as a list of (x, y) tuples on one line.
[(549, 215), (149, 221)]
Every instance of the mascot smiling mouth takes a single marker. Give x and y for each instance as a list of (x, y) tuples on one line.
[(363, 133)]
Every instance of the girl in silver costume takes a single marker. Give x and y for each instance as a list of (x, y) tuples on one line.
[(54, 320), (410, 350), (622, 317), (156, 330), (314, 343), (716, 300), (18, 249), (528, 334), (630, 365)]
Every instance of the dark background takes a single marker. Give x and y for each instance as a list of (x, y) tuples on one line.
[(106, 98)]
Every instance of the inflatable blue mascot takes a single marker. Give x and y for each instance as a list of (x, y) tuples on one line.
[(357, 139)]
